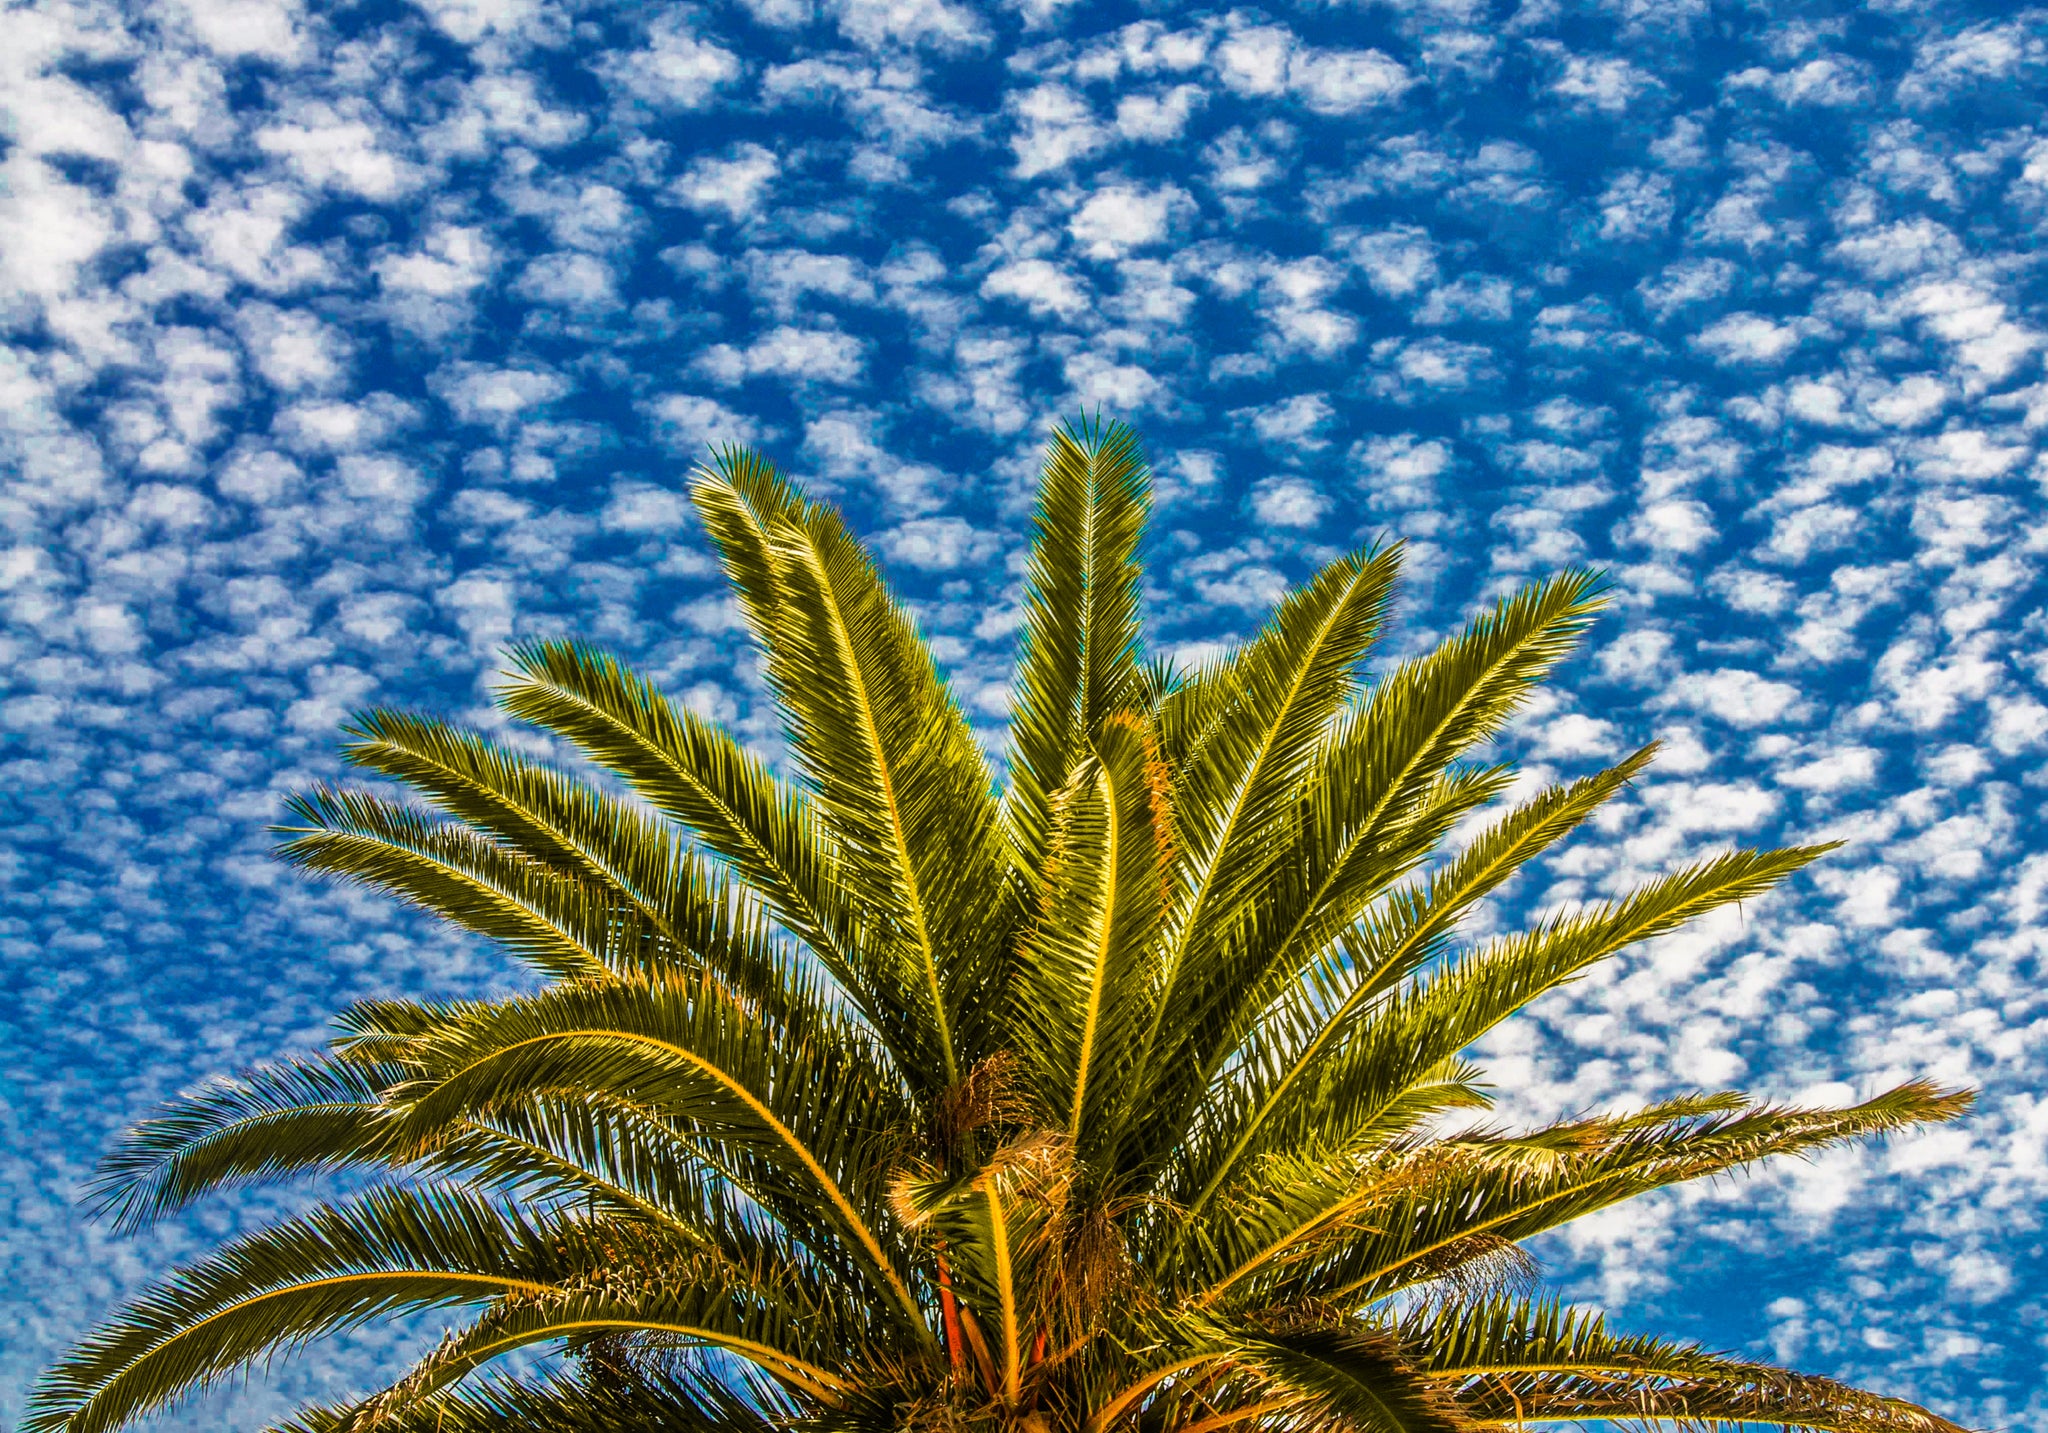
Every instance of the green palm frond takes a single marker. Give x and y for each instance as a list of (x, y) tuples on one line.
[(1242, 786), (290, 1118), (798, 1128), (1088, 974), (392, 1251), (1352, 1087), (1354, 1378), (697, 775), (897, 777), (610, 1397), (664, 1298), (544, 814), (1132, 1093), (1079, 635), (565, 927), (1373, 953), (1515, 1189), (1510, 1362)]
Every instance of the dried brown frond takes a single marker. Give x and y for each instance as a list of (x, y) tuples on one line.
[(994, 1094)]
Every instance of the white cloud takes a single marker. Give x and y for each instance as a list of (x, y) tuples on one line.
[(332, 426), (1157, 118), (1830, 82), (1978, 1277), (1574, 735), (1673, 525), (1263, 60), (1340, 82), (1747, 590), (452, 261), (848, 444), (735, 185), (1054, 127), (1483, 298), (1823, 527), (246, 232), (690, 424), (291, 348), (337, 152), (1290, 422), (1739, 698), (677, 69), (1907, 247), (1750, 338), (273, 29), (1121, 217), (1041, 286), (380, 479), (1990, 346), (1414, 367), (1121, 387), (1401, 470), (1604, 82), (782, 278), (1947, 64), (802, 355), (942, 26), (471, 20), (1687, 282), (939, 544), (1229, 579), (1966, 455), (644, 508), (570, 281), (1149, 295), (1636, 205), (1688, 806), (1847, 768), (498, 106), (1289, 503), (1241, 162), (497, 397), (1253, 61), (1397, 261)]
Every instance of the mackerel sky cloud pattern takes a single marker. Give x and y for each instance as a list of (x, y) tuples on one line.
[(341, 344)]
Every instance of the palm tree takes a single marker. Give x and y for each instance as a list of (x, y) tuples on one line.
[(1128, 1095)]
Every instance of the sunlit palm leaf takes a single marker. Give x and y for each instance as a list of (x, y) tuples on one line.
[(1078, 634)]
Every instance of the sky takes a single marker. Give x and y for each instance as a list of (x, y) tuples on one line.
[(341, 344)]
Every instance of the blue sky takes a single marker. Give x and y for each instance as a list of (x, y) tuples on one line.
[(341, 343)]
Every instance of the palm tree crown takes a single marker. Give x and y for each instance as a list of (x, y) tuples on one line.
[(1127, 1094)]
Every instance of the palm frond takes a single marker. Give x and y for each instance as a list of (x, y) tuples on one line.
[(898, 779), (1088, 972), (390, 1252), (1439, 1014), (1079, 644), (563, 926), (1372, 802), (545, 814), (1510, 1362), (649, 1397), (1515, 1188), (696, 774), (1355, 1379), (786, 1325), (800, 1127), (1370, 954), (291, 1118), (1285, 688)]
